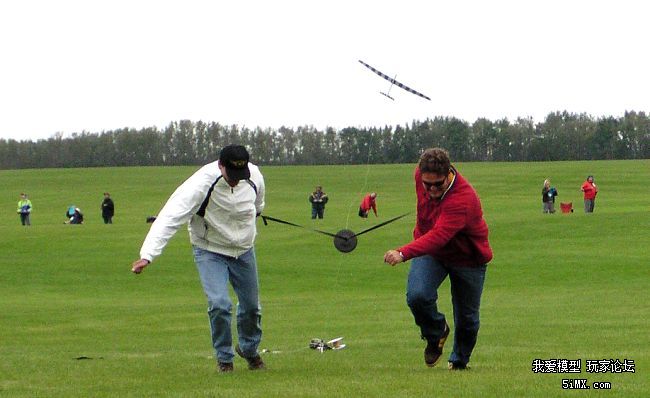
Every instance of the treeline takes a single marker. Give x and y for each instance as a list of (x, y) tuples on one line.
[(561, 136)]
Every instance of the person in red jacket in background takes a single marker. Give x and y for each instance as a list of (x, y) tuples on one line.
[(368, 202), (450, 239), (590, 190)]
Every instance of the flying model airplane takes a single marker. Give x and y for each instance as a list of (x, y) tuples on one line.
[(393, 82)]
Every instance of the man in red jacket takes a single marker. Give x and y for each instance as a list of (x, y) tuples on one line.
[(369, 202), (450, 238)]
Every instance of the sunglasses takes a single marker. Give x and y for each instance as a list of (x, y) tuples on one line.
[(437, 184)]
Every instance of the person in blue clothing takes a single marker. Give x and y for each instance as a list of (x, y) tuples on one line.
[(74, 215)]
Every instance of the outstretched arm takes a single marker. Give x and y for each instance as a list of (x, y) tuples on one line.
[(178, 210)]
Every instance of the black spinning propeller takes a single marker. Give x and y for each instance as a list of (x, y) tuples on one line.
[(345, 240)]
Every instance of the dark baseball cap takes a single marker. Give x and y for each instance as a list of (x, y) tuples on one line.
[(235, 159)]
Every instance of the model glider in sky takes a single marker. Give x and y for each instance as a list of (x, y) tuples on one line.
[(393, 82)]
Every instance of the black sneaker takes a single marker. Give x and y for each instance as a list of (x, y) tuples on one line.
[(457, 366), (254, 362), (225, 367), (433, 351)]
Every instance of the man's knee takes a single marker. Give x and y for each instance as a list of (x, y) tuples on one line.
[(419, 299), (253, 313), (219, 306), (468, 323)]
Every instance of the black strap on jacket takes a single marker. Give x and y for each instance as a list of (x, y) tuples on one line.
[(204, 205)]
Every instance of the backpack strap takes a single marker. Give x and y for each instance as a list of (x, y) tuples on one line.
[(204, 205), (252, 184), (201, 211)]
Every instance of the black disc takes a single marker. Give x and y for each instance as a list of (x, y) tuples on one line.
[(345, 241)]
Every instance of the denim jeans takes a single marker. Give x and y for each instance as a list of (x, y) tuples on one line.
[(425, 277), (215, 270), (317, 212)]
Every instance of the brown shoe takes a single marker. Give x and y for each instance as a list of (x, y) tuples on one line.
[(254, 362), (225, 367), (433, 351)]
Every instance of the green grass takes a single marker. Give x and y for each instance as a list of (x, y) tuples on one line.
[(560, 287)]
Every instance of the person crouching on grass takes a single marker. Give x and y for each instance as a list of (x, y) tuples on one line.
[(450, 239), (220, 201), (369, 202)]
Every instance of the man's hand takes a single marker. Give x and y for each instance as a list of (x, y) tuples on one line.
[(393, 257), (139, 265)]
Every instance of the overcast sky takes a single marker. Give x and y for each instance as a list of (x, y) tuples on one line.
[(70, 66)]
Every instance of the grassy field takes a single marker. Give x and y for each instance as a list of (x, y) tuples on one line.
[(562, 286)]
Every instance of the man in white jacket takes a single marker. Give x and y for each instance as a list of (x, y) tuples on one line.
[(220, 201)]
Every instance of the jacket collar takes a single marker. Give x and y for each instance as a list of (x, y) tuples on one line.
[(453, 173)]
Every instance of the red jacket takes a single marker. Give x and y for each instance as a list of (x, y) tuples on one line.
[(450, 229), (368, 203), (590, 190)]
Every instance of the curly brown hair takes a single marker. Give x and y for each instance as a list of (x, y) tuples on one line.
[(435, 160)]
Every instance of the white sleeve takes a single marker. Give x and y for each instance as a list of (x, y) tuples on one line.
[(178, 210)]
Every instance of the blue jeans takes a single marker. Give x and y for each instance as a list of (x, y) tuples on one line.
[(317, 212), (215, 270), (425, 277)]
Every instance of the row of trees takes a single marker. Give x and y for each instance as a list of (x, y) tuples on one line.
[(561, 136)]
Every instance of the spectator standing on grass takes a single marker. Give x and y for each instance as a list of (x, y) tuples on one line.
[(220, 201), (318, 200), (450, 239), (548, 197), (590, 191), (108, 208), (24, 209)]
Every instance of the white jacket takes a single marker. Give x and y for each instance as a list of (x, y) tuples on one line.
[(229, 224)]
